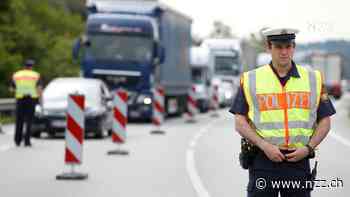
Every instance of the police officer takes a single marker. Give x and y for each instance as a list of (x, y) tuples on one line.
[(283, 109), (27, 88)]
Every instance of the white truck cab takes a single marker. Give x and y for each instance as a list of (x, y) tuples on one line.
[(225, 62)]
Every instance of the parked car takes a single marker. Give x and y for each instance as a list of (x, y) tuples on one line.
[(50, 116)]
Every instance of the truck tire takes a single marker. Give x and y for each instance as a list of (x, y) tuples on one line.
[(100, 131)]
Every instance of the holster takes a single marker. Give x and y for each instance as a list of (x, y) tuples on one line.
[(247, 154)]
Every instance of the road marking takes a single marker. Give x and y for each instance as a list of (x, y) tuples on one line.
[(191, 163), (339, 138), (6, 147)]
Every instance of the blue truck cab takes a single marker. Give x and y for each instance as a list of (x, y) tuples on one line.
[(137, 46)]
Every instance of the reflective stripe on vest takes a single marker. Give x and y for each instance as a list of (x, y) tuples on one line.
[(26, 83), (283, 116)]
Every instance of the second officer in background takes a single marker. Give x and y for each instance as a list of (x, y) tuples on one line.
[(27, 88)]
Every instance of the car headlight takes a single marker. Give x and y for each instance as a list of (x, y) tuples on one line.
[(144, 99), (228, 95), (38, 110)]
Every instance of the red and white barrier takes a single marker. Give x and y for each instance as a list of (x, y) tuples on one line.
[(158, 106), (75, 129), (120, 117), (192, 108), (215, 97), (215, 100), (158, 109), (75, 118), (120, 120)]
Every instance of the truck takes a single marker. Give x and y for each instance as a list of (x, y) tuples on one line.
[(330, 65), (201, 77), (225, 61), (138, 45)]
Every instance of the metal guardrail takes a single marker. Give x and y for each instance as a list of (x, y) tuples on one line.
[(7, 104)]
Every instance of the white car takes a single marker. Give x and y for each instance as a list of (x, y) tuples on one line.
[(50, 117)]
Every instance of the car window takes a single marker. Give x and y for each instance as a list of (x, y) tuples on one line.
[(58, 91)]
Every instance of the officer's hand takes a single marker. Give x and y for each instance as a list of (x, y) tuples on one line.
[(273, 152), (298, 154)]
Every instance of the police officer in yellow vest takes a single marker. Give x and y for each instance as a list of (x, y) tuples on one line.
[(281, 108), (26, 84)]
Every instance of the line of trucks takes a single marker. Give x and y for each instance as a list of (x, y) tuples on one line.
[(329, 63), (138, 45)]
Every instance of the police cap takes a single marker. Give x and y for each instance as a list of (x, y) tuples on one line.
[(280, 34), (29, 62)]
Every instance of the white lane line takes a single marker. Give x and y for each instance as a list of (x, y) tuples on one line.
[(191, 163), (6, 147), (339, 138)]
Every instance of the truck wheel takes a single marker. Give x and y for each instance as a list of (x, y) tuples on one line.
[(100, 131), (51, 134)]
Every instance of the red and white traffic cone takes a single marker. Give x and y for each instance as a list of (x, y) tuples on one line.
[(74, 136), (192, 108), (120, 119), (158, 110), (215, 101)]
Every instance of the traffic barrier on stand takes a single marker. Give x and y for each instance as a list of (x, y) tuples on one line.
[(120, 119), (158, 110), (192, 108), (74, 136), (215, 101)]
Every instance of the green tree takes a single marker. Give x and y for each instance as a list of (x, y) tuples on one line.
[(40, 30), (221, 30)]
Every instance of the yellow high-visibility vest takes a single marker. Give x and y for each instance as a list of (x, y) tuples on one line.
[(284, 116), (26, 83)]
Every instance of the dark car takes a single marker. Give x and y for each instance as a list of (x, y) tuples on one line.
[(50, 117)]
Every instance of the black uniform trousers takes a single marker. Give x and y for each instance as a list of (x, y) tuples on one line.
[(25, 109), (264, 176)]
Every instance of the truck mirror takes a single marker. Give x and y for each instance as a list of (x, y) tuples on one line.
[(158, 53)]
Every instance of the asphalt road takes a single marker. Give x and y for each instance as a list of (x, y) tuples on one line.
[(198, 159)]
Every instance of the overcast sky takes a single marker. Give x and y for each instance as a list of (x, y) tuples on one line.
[(316, 19)]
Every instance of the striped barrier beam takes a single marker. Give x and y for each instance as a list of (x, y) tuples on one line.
[(75, 119), (120, 120), (158, 109), (215, 101), (192, 108)]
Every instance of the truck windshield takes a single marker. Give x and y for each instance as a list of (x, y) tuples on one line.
[(226, 65), (121, 48)]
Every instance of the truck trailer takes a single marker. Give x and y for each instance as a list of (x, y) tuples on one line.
[(330, 65), (138, 45)]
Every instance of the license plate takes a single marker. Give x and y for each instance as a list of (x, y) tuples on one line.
[(172, 106), (58, 123), (135, 114)]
